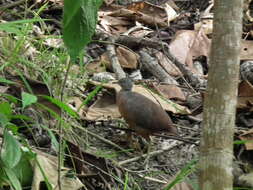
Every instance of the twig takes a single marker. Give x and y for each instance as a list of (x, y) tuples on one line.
[(114, 60), (153, 179), (188, 128), (60, 124), (151, 64), (195, 118), (175, 138), (154, 153)]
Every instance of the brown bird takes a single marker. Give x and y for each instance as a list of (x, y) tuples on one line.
[(141, 114)]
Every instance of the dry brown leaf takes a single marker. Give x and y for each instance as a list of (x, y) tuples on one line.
[(75, 103), (206, 25), (141, 17), (170, 91), (189, 45), (167, 65), (127, 58), (103, 108), (3, 89), (114, 25), (93, 165), (248, 136), (149, 9), (96, 66), (245, 95), (140, 33), (49, 165), (245, 89), (171, 13)]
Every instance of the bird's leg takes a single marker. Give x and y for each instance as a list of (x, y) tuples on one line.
[(130, 141), (146, 161), (129, 137)]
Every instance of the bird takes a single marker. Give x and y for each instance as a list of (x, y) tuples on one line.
[(142, 115)]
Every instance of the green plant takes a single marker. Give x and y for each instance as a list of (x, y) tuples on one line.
[(79, 23), (184, 172), (11, 153)]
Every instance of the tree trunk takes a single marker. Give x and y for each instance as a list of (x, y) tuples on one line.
[(216, 148)]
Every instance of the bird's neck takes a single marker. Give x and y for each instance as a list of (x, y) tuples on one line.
[(126, 89)]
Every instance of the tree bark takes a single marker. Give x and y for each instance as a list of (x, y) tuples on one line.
[(216, 148)]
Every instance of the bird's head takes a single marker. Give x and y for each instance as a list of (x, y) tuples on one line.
[(126, 84)]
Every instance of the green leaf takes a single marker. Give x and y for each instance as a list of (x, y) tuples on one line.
[(90, 96), (5, 109), (13, 128), (242, 141), (23, 170), (63, 106), (3, 80), (3, 177), (12, 178), (5, 113), (28, 99), (16, 26), (11, 152), (79, 24), (184, 172), (23, 117), (11, 98), (4, 120), (52, 137)]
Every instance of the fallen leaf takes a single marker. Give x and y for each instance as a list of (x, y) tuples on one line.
[(188, 45), (49, 165), (103, 108), (95, 67), (127, 59), (167, 64), (248, 137), (75, 103), (147, 17), (171, 13), (205, 24), (3, 89), (170, 91), (114, 25), (245, 95), (150, 9)]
